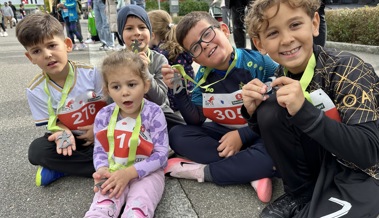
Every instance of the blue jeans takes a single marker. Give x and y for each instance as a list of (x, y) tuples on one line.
[(102, 24), (141, 3)]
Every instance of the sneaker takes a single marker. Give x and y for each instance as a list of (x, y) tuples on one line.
[(108, 48), (184, 169), (75, 48), (263, 187), (5, 34), (101, 48), (82, 46), (89, 41), (46, 176), (285, 206), (1, 34), (120, 47)]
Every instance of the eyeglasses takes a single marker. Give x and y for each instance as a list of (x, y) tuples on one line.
[(207, 36)]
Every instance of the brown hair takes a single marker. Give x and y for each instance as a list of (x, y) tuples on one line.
[(121, 59), (36, 28), (165, 30), (255, 18), (189, 21)]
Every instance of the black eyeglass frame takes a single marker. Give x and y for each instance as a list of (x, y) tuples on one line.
[(211, 27)]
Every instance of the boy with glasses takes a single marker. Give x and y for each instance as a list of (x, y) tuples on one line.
[(224, 151)]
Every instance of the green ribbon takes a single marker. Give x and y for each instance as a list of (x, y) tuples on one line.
[(113, 166), (307, 76), (52, 123), (208, 70)]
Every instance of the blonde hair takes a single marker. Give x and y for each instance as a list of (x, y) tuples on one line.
[(122, 59), (165, 30), (255, 18)]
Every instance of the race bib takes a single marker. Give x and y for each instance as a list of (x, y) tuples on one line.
[(81, 110), (224, 109), (322, 101), (122, 135)]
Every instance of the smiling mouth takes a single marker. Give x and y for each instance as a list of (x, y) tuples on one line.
[(212, 51), (290, 52)]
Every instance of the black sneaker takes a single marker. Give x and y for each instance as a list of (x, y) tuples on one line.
[(101, 48), (285, 206)]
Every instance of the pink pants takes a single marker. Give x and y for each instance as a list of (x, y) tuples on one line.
[(140, 197)]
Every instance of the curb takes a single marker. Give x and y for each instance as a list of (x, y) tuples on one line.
[(353, 47)]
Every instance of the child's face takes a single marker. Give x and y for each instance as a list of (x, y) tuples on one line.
[(136, 29), (127, 90), (216, 53), (288, 39), (51, 55)]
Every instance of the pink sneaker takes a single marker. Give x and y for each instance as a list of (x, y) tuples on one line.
[(263, 187), (184, 169)]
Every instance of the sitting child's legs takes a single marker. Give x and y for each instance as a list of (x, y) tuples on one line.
[(196, 143), (103, 206), (144, 195), (43, 152)]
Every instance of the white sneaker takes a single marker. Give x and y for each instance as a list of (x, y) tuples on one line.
[(89, 41), (75, 48), (108, 48), (1, 34), (82, 46), (5, 34), (120, 47)]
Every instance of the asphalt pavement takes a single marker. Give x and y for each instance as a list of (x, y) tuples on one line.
[(71, 196)]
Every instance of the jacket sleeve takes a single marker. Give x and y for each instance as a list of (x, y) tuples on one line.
[(357, 143), (158, 89)]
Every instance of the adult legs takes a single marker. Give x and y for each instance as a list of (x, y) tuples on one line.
[(102, 24), (8, 19), (238, 15), (2, 27), (43, 152)]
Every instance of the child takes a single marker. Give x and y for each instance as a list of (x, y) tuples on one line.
[(224, 151), (65, 96), (134, 169), (163, 41), (71, 18), (134, 24), (321, 126)]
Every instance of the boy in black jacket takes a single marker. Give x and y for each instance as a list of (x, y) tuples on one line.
[(320, 126)]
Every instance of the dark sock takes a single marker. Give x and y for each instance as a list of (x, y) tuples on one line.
[(207, 174)]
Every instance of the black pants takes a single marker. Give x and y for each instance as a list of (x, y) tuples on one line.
[(43, 152), (238, 18), (2, 27), (199, 144), (307, 167)]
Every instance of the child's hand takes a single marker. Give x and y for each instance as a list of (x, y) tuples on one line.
[(230, 144), (87, 135), (253, 93), (62, 139), (144, 58), (118, 181), (99, 175), (290, 94), (168, 75)]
